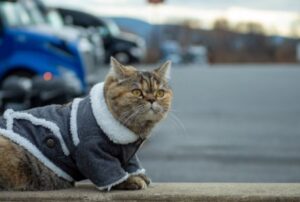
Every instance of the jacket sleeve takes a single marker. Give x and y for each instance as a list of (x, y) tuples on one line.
[(134, 167), (100, 167)]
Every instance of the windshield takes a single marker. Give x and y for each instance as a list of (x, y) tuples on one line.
[(34, 13), (14, 14), (109, 27), (55, 19)]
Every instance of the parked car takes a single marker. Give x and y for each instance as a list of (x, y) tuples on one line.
[(49, 19), (27, 50), (125, 47), (94, 56)]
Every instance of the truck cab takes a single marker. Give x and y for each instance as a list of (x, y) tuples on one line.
[(125, 47), (50, 17), (27, 50)]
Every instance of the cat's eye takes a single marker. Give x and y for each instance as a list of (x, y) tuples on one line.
[(137, 92), (160, 93)]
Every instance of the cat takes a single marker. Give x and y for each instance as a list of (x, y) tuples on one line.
[(93, 138)]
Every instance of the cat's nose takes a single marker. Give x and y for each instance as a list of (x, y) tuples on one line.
[(150, 99)]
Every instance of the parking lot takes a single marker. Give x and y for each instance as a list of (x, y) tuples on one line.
[(236, 125)]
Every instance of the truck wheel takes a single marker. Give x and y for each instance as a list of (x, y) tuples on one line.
[(122, 57), (20, 74), (19, 100)]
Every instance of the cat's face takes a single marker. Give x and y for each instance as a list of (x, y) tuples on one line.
[(137, 97)]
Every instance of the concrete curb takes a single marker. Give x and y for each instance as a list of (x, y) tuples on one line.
[(220, 192)]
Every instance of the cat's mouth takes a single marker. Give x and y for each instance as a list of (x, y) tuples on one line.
[(153, 110)]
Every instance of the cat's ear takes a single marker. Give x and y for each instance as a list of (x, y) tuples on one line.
[(120, 71), (164, 70)]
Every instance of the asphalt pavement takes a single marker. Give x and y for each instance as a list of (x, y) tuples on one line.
[(229, 123)]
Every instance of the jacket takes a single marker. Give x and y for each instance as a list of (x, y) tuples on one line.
[(80, 140)]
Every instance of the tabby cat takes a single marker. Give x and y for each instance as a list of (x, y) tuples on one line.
[(63, 143)]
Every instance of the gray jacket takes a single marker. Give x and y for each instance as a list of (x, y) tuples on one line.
[(81, 140)]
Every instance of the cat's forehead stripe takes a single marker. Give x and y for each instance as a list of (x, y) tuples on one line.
[(145, 80), (149, 81)]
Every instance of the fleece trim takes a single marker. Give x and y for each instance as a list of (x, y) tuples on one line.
[(73, 121), (109, 186), (114, 130), (138, 172), (10, 115)]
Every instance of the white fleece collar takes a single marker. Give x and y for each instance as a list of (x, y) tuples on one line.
[(115, 131)]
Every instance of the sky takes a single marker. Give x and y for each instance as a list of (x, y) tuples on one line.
[(276, 15)]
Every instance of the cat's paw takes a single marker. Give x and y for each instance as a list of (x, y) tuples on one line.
[(145, 178), (134, 182)]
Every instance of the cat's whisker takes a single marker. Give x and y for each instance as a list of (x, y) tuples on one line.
[(131, 111), (178, 122), (134, 114), (173, 110), (130, 117), (140, 111), (127, 113)]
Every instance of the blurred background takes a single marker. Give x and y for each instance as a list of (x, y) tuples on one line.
[(236, 76)]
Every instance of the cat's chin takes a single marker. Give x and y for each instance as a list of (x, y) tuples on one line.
[(152, 116)]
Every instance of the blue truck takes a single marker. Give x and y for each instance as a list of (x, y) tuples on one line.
[(28, 50)]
